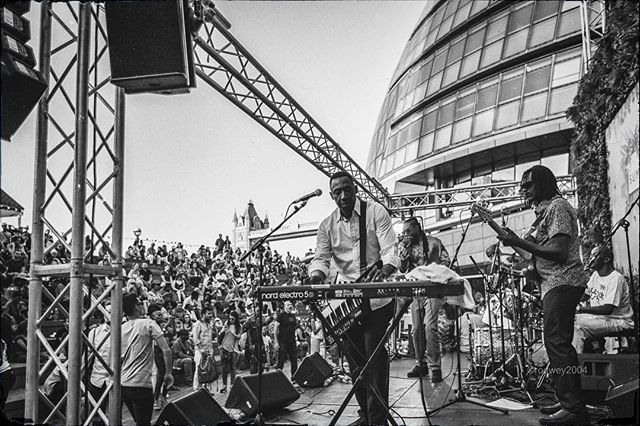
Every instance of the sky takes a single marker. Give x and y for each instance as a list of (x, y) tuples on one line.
[(192, 160)]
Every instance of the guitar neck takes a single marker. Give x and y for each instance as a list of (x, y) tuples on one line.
[(500, 231)]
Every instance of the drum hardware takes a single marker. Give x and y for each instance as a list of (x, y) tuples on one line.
[(506, 308)]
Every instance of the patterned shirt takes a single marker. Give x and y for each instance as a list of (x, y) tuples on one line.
[(559, 218)]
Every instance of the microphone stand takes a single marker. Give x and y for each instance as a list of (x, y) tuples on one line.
[(259, 247), (459, 394)]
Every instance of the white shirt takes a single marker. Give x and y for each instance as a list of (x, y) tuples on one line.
[(611, 290), (99, 374), (138, 336), (339, 239)]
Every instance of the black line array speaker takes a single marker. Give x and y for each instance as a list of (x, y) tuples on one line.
[(313, 371), (277, 393), (22, 84), (622, 399), (150, 45), (600, 371), (196, 408)]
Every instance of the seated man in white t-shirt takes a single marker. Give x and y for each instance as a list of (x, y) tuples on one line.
[(610, 305)]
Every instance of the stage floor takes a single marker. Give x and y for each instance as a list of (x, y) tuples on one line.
[(404, 396)]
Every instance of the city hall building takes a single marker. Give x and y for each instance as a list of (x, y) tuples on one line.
[(480, 94)]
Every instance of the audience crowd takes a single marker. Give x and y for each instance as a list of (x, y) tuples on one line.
[(210, 289)]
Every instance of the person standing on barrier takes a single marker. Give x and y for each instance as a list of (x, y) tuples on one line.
[(356, 236), (555, 247), (417, 249)]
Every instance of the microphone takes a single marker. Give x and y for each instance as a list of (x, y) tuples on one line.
[(316, 193)]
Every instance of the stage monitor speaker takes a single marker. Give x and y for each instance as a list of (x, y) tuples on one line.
[(196, 408), (313, 371), (150, 46), (599, 371), (22, 88), (622, 399), (277, 393)]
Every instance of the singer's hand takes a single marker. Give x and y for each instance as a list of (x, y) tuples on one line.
[(315, 279)]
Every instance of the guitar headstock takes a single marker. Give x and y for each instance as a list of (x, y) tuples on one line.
[(481, 208)]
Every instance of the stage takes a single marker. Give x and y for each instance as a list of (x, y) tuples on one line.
[(314, 405)]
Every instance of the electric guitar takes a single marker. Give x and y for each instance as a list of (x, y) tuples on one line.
[(485, 214)]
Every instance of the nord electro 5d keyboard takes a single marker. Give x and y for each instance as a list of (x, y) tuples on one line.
[(345, 299)]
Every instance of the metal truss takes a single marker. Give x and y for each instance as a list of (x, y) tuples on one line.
[(79, 154), (492, 193), (223, 63), (592, 25)]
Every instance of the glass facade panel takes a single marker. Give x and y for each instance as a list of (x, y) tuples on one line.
[(443, 138), (414, 130), (445, 27), (419, 93), (562, 98), (510, 88), (462, 15), (426, 144), (474, 41), (487, 97), (491, 54), (566, 72), (483, 122), (462, 130), (439, 62), (434, 83), (451, 74), (455, 52), (569, 22), (399, 158), (544, 9), (404, 137), (429, 122), (445, 114), (507, 115), (516, 43), (412, 151), (537, 79), (425, 71), (393, 144), (520, 18), (464, 105), (534, 107), (470, 63), (542, 32), (496, 29)]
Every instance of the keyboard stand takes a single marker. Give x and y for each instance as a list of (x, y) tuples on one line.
[(338, 341)]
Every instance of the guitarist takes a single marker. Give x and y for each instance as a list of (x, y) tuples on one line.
[(555, 247), (355, 235)]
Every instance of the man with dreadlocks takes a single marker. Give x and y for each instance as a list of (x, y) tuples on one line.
[(555, 249)]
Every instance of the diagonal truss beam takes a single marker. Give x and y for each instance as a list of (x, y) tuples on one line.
[(224, 64)]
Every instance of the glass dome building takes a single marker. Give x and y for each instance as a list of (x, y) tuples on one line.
[(479, 95)]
